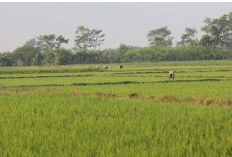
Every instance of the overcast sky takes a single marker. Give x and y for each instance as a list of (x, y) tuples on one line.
[(123, 23)]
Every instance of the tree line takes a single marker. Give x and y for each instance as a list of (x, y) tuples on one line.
[(215, 44)]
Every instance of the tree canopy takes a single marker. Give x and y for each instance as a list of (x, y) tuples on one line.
[(188, 38), (160, 37), (215, 43)]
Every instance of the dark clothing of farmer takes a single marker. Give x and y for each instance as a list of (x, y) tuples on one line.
[(171, 75)]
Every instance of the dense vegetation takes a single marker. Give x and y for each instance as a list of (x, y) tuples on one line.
[(216, 44), (134, 111)]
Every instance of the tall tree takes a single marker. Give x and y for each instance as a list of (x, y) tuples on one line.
[(51, 42), (188, 38), (32, 43), (47, 42), (96, 38), (160, 37), (219, 30), (59, 41), (83, 40), (48, 45), (86, 38)]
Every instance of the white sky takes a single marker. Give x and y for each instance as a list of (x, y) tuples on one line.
[(123, 23)]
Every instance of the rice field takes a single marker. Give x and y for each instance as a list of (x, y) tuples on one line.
[(136, 111)]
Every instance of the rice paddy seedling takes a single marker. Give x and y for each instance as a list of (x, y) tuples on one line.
[(137, 111)]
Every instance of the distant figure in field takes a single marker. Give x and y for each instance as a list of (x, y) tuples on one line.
[(120, 67), (171, 75), (97, 67), (87, 67), (105, 67)]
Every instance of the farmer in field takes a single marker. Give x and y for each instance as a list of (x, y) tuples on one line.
[(120, 67), (105, 67), (171, 75)]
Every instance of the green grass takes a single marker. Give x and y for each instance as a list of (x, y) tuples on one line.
[(107, 117), (36, 125)]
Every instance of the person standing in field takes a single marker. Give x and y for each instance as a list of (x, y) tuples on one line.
[(171, 75)]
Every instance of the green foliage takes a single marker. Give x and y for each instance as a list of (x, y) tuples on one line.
[(120, 53), (126, 54), (28, 55), (49, 58), (59, 41), (63, 57), (219, 30), (82, 40), (49, 43), (96, 38), (19, 62), (160, 37), (206, 41), (188, 38), (216, 44), (86, 38), (6, 59)]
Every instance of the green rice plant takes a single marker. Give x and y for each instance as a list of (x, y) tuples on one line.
[(137, 111)]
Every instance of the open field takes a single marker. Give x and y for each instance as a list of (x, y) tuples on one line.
[(136, 111)]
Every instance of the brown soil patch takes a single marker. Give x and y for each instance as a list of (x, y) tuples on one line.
[(76, 92), (164, 98), (108, 95), (133, 95), (208, 101)]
